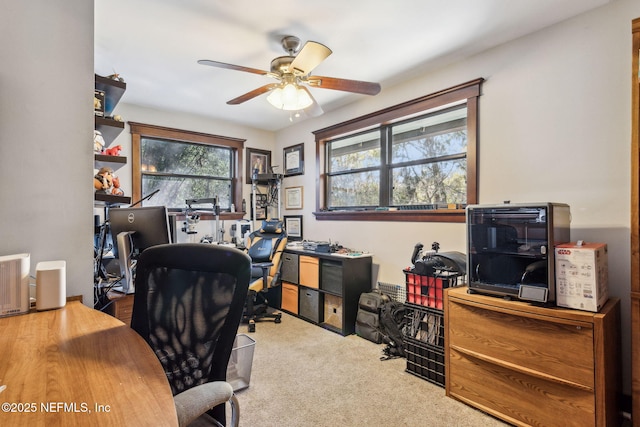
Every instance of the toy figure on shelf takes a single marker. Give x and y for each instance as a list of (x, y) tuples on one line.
[(113, 151), (98, 141), (115, 76), (116, 190), (103, 180)]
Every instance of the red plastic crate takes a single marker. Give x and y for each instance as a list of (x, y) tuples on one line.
[(427, 290)]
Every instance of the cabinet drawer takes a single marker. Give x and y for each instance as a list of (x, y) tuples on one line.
[(121, 307), (529, 343), (290, 297), (499, 391), (309, 271), (290, 267)]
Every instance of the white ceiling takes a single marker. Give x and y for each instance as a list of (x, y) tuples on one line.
[(154, 45)]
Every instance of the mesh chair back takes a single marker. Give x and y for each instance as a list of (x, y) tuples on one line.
[(188, 306)]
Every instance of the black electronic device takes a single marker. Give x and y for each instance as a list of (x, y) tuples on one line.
[(134, 230), (149, 226), (510, 248), (434, 263)]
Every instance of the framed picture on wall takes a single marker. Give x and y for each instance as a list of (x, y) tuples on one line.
[(258, 161), (293, 198), (293, 225), (294, 160)]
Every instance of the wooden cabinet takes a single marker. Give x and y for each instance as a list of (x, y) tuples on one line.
[(324, 288), (531, 365), (635, 223), (121, 306)]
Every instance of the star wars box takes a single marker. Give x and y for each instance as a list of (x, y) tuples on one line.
[(582, 275)]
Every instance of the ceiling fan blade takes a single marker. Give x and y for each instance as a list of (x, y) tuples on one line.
[(250, 95), (231, 66), (356, 86), (314, 109), (311, 55)]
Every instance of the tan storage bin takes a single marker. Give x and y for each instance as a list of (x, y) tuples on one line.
[(289, 297), (309, 271)]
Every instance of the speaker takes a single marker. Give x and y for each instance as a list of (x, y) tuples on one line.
[(51, 285), (14, 284)]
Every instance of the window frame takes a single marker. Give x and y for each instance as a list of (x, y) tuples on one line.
[(468, 92), (140, 130)]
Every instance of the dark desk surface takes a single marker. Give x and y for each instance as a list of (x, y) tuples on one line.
[(79, 366)]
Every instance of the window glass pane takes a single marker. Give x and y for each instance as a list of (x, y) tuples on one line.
[(354, 189), (175, 190), (430, 183), (438, 135), (355, 152), (185, 158)]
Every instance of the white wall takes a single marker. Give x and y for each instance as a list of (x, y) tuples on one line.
[(46, 122), (554, 126)]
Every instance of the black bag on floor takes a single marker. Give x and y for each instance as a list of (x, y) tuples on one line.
[(368, 316), (368, 326), (372, 301), (392, 322)]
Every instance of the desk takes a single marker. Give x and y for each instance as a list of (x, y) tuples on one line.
[(77, 366)]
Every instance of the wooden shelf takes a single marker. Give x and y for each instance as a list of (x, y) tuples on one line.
[(114, 162), (113, 91), (110, 199), (109, 128)]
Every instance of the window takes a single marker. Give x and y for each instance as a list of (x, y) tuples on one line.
[(183, 165), (415, 161)]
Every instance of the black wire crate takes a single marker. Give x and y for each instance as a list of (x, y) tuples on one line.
[(424, 325), (425, 361), (423, 337)]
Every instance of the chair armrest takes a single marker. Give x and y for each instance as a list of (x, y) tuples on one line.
[(192, 403), (263, 265)]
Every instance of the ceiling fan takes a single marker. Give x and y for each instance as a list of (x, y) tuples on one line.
[(294, 74)]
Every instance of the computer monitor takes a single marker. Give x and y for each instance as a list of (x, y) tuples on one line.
[(150, 226), (133, 230)]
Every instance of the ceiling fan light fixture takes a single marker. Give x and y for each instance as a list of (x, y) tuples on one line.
[(290, 98)]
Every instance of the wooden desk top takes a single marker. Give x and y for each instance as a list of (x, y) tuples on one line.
[(77, 366)]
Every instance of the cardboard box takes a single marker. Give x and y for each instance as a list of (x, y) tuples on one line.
[(582, 276)]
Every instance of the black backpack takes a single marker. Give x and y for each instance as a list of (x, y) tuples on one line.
[(392, 322)]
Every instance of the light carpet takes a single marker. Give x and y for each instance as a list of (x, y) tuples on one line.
[(304, 375)]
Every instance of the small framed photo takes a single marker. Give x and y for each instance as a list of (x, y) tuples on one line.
[(293, 198), (293, 225), (294, 160), (258, 162)]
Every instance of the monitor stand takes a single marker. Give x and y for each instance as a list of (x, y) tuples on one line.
[(125, 251)]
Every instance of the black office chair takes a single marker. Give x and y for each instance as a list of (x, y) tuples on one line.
[(265, 247), (188, 305)]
